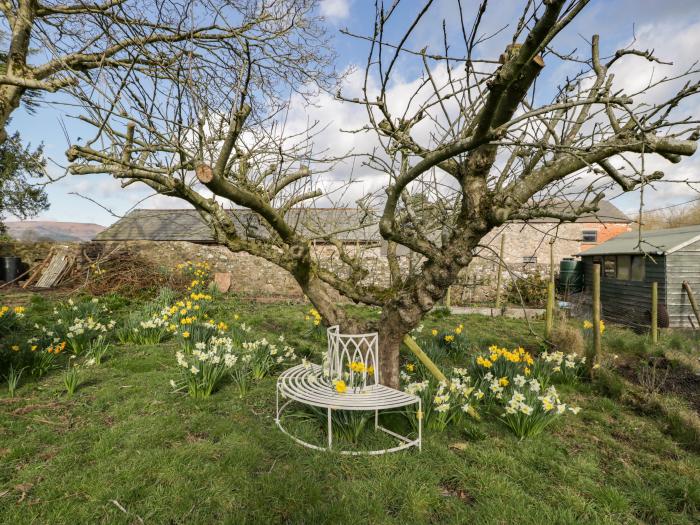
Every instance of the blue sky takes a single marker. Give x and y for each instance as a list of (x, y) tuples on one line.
[(671, 27)]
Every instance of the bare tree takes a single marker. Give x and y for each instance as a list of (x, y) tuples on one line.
[(473, 148), (53, 45)]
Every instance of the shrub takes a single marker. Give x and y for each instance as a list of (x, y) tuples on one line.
[(568, 339), (530, 290)]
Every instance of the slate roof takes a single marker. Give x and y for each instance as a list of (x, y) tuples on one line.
[(657, 242), (607, 213), (348, 225)]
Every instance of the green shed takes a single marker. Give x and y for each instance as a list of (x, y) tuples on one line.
[(631, 262)]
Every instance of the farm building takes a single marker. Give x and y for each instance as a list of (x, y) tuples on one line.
[(629, 267), (183, 233)]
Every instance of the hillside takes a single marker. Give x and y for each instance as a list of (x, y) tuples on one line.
[(53, 231)]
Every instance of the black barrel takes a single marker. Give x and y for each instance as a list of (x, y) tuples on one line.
[(9, 268)]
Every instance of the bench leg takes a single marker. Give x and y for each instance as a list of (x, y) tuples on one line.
[(376, 419), (330, 430), (420, 425)]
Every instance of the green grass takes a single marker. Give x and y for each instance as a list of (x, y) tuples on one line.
[(124, 440)]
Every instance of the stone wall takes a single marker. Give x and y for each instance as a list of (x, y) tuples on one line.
[(252, 276)]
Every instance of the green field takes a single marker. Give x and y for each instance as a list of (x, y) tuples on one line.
[(126, 449)]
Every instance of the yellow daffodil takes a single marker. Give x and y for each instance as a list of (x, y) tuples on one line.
[(340, 386), (434, 332), (185, 334)]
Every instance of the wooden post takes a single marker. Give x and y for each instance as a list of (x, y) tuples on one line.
[(432, 368), (448, 297), (691, 298), (499, 275), (549, 312), (551, 260), (654, 312), (595, 352), (423, 357)]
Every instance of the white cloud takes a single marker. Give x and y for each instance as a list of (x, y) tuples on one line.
[(335, 9)]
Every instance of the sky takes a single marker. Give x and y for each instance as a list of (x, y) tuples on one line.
[(670, 27)]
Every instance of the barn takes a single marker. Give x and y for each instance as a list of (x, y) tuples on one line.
[(631, 262)]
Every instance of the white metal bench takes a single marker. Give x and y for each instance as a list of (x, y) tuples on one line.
[(353, 359)]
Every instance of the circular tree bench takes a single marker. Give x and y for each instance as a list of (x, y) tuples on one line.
[(352, 359)]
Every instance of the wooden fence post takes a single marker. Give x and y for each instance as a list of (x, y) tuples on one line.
[(654, 312), (448, 297), (499, 275), (691, 298), (549, 312), (594, 356)]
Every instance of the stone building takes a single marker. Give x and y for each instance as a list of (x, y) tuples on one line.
[(173, 236)]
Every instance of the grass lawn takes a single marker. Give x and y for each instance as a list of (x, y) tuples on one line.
[(125, 449)]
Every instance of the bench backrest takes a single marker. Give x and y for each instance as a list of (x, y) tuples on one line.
[(354, 358)]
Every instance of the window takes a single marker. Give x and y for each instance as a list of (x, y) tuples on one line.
[(530, 259), (638, 264), (589, 235), (624, 263), (610, 266)]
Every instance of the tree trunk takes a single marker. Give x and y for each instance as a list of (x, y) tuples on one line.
[(10, 97), (391, 334)]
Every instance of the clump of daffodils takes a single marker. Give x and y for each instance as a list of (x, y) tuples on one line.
[(527, 412), (82, 331), (502, 362), (9, 317), (203, 369), (567, 367), (199, 273), (451, 340), (515, 386), (443, 402), (588, 325)]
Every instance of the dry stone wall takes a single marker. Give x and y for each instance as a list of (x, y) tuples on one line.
[(252, 276)]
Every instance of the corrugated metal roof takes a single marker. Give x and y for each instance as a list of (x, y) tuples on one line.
[(349, 225), (655, 242)]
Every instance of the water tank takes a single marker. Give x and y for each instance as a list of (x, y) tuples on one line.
[(9, 268), (570, 275)]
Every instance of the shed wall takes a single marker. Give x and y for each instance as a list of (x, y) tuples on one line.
[(628, 302), (683, 265)]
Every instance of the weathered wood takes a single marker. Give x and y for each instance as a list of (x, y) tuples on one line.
[(423, 357), (691, 298), (36, 271), (549, 312), (55, 269), (654, 312), (499, 275), (594, 354)]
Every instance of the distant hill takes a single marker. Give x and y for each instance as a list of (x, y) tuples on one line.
[(53, 231)]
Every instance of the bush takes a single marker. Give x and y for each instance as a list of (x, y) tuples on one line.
[(568, 339), (530, 291)]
